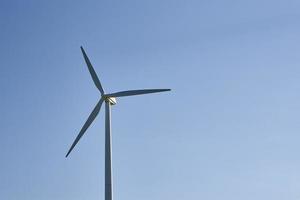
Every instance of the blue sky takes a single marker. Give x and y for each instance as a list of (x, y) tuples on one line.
[(229, 129)]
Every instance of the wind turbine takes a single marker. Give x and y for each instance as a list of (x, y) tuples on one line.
[(109, 99)]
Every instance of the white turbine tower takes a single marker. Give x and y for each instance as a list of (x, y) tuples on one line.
[(109, 99)]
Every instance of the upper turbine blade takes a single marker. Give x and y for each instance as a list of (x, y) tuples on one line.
[(92, 72), (88, 122), (136, 92)]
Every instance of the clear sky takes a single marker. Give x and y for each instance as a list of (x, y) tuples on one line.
[(230, 128)]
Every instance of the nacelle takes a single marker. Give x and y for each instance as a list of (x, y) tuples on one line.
[(112, 100)]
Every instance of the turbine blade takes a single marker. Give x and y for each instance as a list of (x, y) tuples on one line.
[(136, 92), (92, 72), (88, 122)]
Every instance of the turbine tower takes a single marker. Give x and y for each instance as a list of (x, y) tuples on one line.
[(109, 99)]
